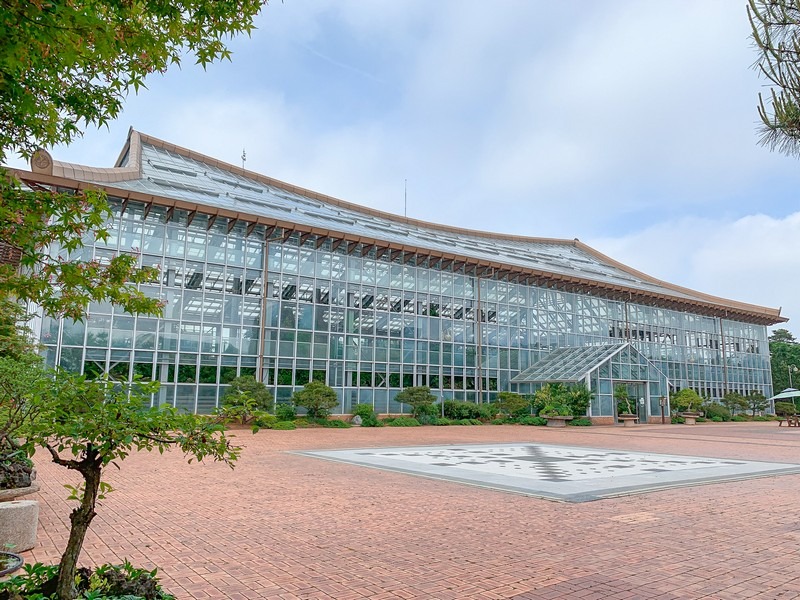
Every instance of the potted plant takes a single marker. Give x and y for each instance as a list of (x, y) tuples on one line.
[(687, 403), (557, 414), (625, 412), (9, 562)]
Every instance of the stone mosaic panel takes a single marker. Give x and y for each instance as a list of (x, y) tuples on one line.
[(567, 473)]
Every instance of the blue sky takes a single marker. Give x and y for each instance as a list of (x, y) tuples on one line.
[(629, 125)]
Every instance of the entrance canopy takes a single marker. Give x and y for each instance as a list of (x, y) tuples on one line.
[(602, 368), (569, 365)]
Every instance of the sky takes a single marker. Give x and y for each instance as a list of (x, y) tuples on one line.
[(629, 125)]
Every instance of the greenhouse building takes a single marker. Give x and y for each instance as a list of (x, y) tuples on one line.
[(266, 278)]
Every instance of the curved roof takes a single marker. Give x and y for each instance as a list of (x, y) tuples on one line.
[(152, 170)]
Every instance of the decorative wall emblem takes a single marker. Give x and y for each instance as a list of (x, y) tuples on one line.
[(42, 162)]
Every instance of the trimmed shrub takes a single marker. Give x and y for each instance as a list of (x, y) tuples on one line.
[(582, 422), (362, 410), (283, 425), (715, 409), (529, 420), (501, 421), (367, 414), (285, 412), (701, 419), (512, 404), (403, 422), (263, 419), (428, 410), (328, 423), (739, 418), (457, 410), (442, 421), (487, 411), (717, 419)]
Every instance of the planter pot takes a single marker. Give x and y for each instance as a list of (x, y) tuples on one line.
[(18, 523), (557, 420), (627, 420), (690, 418), (9, 562), (14, 493)]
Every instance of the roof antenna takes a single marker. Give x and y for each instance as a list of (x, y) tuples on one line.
[(244, 157), (405, 197)]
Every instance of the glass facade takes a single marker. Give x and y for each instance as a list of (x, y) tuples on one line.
[(289, 307)]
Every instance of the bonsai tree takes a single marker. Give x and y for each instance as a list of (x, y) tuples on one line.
[(245, 401), (686, 400), (512, 404), (420, 400), (247, 384), (734, 402), (556, 410), (756, 401), (623, 399), (551, 396), (784, 409), (87, 425), (317, 398)]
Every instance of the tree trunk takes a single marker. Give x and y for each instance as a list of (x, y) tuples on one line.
[(80, 518)]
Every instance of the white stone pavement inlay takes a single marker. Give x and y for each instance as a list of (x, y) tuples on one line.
[(573, 474)]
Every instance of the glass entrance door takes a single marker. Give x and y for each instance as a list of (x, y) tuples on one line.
[(637, 396), (637, 392)]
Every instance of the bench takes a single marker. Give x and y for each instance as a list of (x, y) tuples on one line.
[(791, 421)]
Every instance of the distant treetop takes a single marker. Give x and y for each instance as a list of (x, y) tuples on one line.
[(782, 335)]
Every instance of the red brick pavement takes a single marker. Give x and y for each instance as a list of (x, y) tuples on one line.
[(285, 526)]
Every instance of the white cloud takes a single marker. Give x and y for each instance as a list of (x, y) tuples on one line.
[(752, 259)]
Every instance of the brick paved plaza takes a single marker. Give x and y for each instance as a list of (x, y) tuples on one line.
[(282, 525)]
